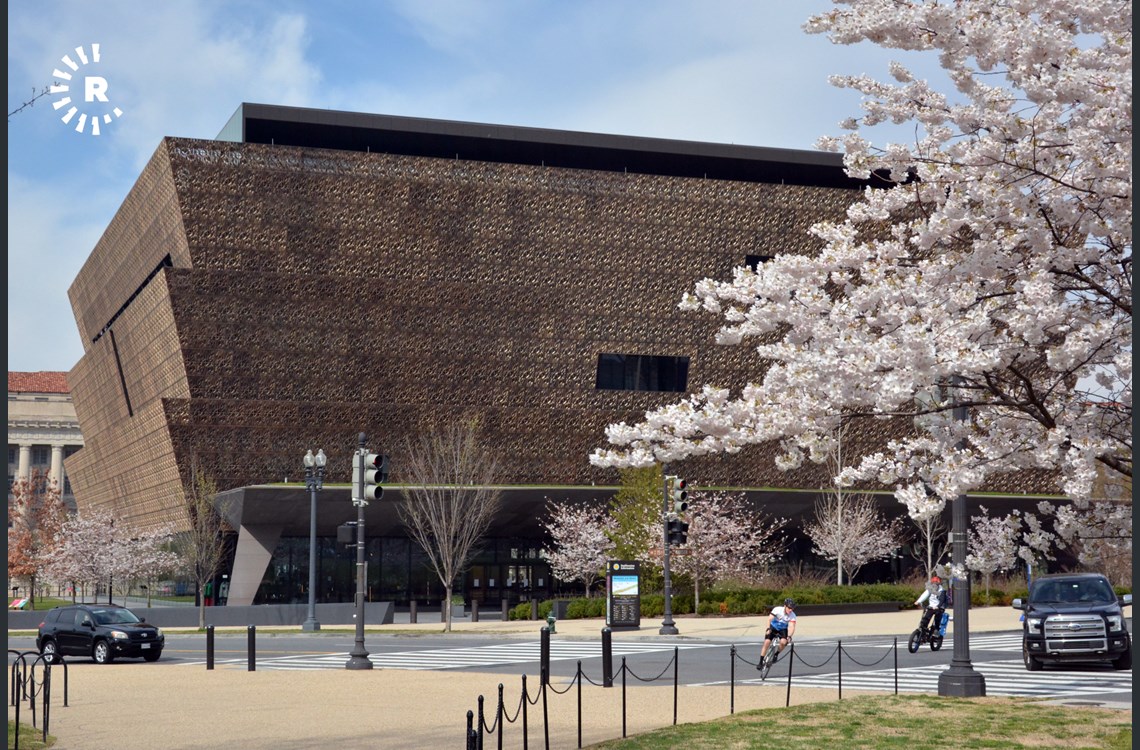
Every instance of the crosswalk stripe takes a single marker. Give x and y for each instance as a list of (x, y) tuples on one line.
[(458, 658), (1001, 678)]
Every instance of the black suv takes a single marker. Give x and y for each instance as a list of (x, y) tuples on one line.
[(101, 631), (1074, 618)]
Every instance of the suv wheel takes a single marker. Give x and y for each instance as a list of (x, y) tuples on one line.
[(1124, 661), (1032, 663), (51, 656), (102, 653)]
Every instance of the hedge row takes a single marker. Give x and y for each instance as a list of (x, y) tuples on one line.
[(761, 601)]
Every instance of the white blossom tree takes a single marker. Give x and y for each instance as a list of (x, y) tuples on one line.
[(993, 540), (147, 555), (580, 543), (86, 554), (990, 267), (854, 532), (727, 539)]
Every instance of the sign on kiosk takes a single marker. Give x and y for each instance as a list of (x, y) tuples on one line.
[(623, 594)]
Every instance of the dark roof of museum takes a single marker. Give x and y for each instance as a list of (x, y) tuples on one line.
[(449, 139), (37, 382)]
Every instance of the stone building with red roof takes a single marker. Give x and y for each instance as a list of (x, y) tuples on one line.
[(42, 428)]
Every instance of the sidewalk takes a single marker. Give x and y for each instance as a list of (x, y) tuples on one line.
[(136, 705)]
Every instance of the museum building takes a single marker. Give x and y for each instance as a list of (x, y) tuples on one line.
[(310, 275)]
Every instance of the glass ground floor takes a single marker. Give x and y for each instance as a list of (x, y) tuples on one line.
[(399, 571)]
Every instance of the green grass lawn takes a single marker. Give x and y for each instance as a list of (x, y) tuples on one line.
[(910, 722), (31, 738)]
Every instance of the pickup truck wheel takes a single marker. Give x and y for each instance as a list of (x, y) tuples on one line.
[(1032, 663), (1124, 661)]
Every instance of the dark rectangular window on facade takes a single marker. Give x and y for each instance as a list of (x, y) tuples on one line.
[(642, 372), (754, 261)]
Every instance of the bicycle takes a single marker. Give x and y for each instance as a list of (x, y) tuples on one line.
[(770, 658), (929, 635)]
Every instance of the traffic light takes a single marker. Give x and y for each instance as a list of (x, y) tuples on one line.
[(678, 494), (375, 473), (676, 531)]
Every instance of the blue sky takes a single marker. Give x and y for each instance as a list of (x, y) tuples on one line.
[(705, 70)]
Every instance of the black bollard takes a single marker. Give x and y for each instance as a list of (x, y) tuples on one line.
[(534, 609), (474, 610), (471, 730), (443, 610), (251, 638), (209, 647), (412, 613), (607, 658), (544, 655), (506, 611)]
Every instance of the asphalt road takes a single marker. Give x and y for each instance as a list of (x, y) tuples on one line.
[(866, 662)]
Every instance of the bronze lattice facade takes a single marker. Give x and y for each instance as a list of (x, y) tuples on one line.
[(251, 300)]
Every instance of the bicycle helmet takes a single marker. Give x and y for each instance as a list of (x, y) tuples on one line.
[(790, 603), (935, 579)]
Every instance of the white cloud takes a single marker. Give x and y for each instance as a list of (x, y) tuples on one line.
[(710, 70)]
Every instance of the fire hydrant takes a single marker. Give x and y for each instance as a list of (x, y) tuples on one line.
[(550, 620)]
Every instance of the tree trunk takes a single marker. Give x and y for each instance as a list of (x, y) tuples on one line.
[(447, 609)]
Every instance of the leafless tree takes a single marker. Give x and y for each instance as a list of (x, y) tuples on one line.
[(932, 541), (202, 547), (449, 497), (853, 531)]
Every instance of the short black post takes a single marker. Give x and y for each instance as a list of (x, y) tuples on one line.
[(896, 666), (791, 658), (544, 654), (577, 676), (64, 665), (506, 610), (412, 612), (607, 658), (499, 717), (443, 610), (534, 609), (525, 700), (209, 647), (470, 730), (623, 671), (545, 712), (482, 723), (251, 638), (840, 653), (474, 610), (732, 679), (676, 680), (47, 702)]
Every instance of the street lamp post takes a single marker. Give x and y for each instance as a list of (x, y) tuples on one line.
[(960, 679), (314, 481)]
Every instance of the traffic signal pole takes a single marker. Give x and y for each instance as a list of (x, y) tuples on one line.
[(358, 657), (667, 625)]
